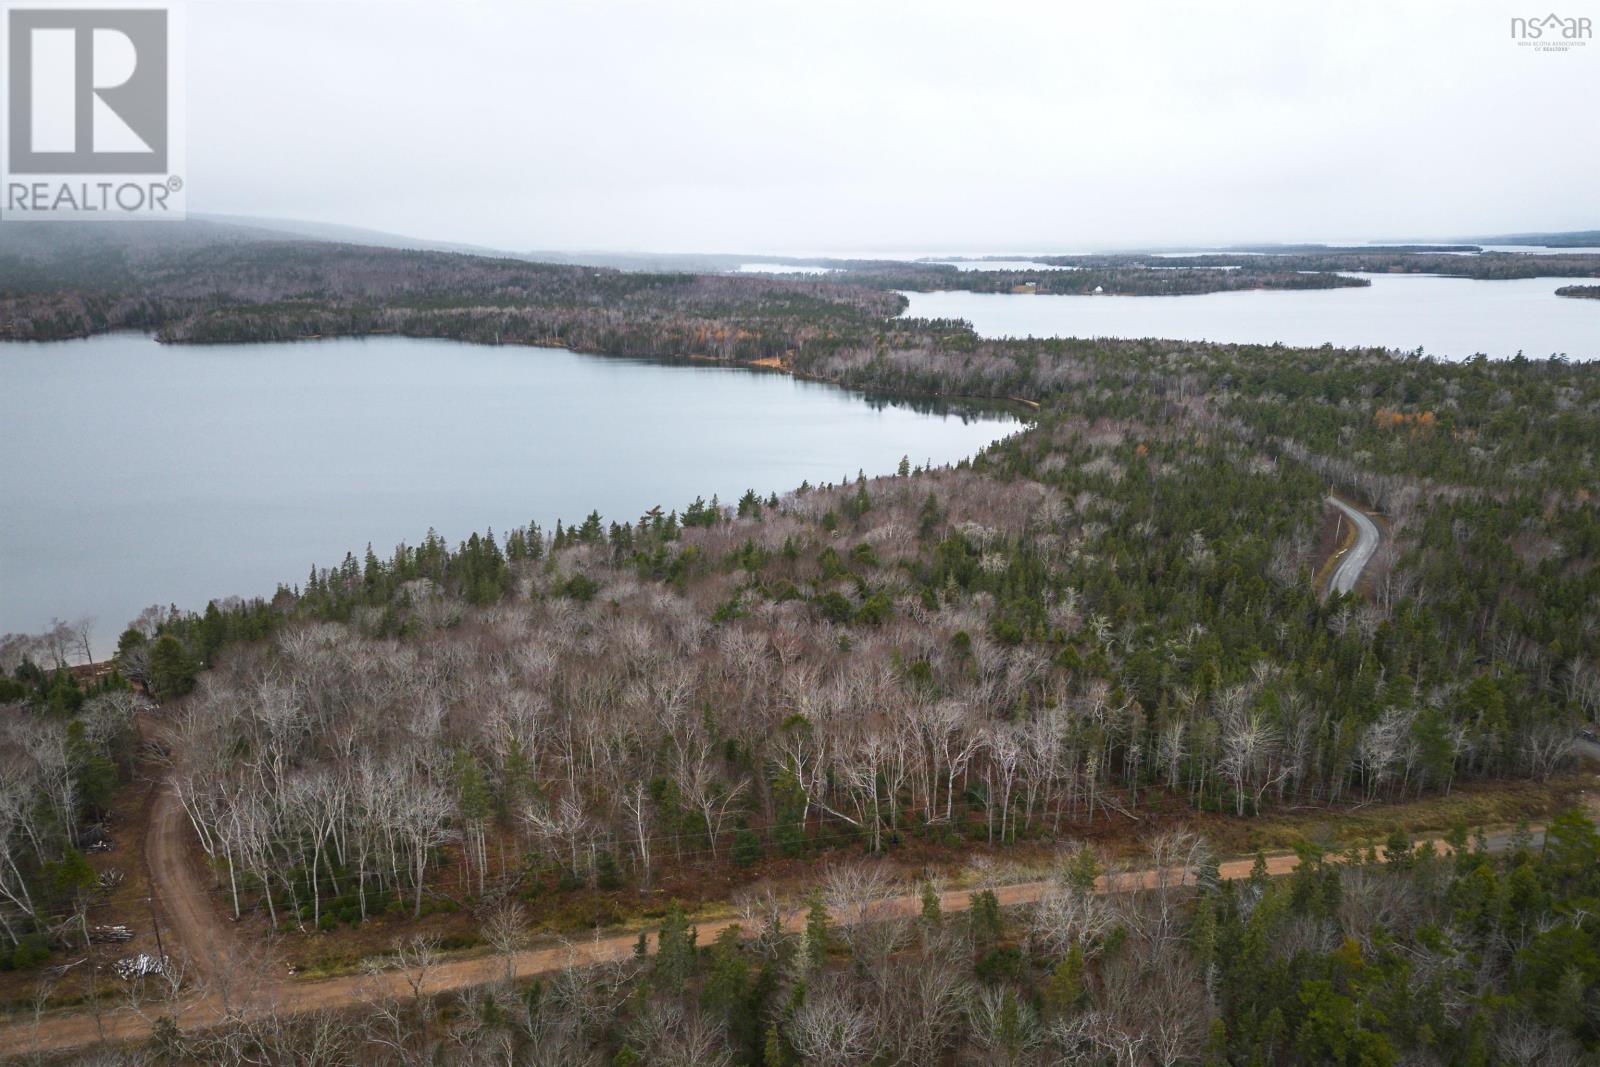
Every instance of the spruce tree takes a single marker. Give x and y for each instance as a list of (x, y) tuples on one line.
[(172, 668), (675, 950), (818, 929), (932, 914)]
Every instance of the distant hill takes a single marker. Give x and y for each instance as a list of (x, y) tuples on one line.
[(655, 262), (672, 262), (52, 240), (350, 235), (1564, 239)]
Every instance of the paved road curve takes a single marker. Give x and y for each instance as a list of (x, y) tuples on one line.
[(1348, 572)]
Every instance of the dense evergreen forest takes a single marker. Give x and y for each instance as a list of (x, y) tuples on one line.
[(1414, 955), (1117, 609)]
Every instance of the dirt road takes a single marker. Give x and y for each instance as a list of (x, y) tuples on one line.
[(239, 987), (192, 931)]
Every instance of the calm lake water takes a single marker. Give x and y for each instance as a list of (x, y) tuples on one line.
[(135, 473), (1448, 317)]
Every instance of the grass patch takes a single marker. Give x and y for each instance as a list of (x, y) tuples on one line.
[(1479, 804)]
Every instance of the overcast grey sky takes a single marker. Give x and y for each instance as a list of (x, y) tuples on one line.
[(865, 125)]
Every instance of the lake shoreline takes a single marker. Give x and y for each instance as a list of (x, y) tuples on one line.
[(1024, 408), (272, 471)]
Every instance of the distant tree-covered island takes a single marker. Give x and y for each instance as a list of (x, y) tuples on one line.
[(1561, 239), (1487, 266), (1172, 278), (1581, 292)]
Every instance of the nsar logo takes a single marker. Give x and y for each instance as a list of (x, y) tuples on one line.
[(1552, 33)]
